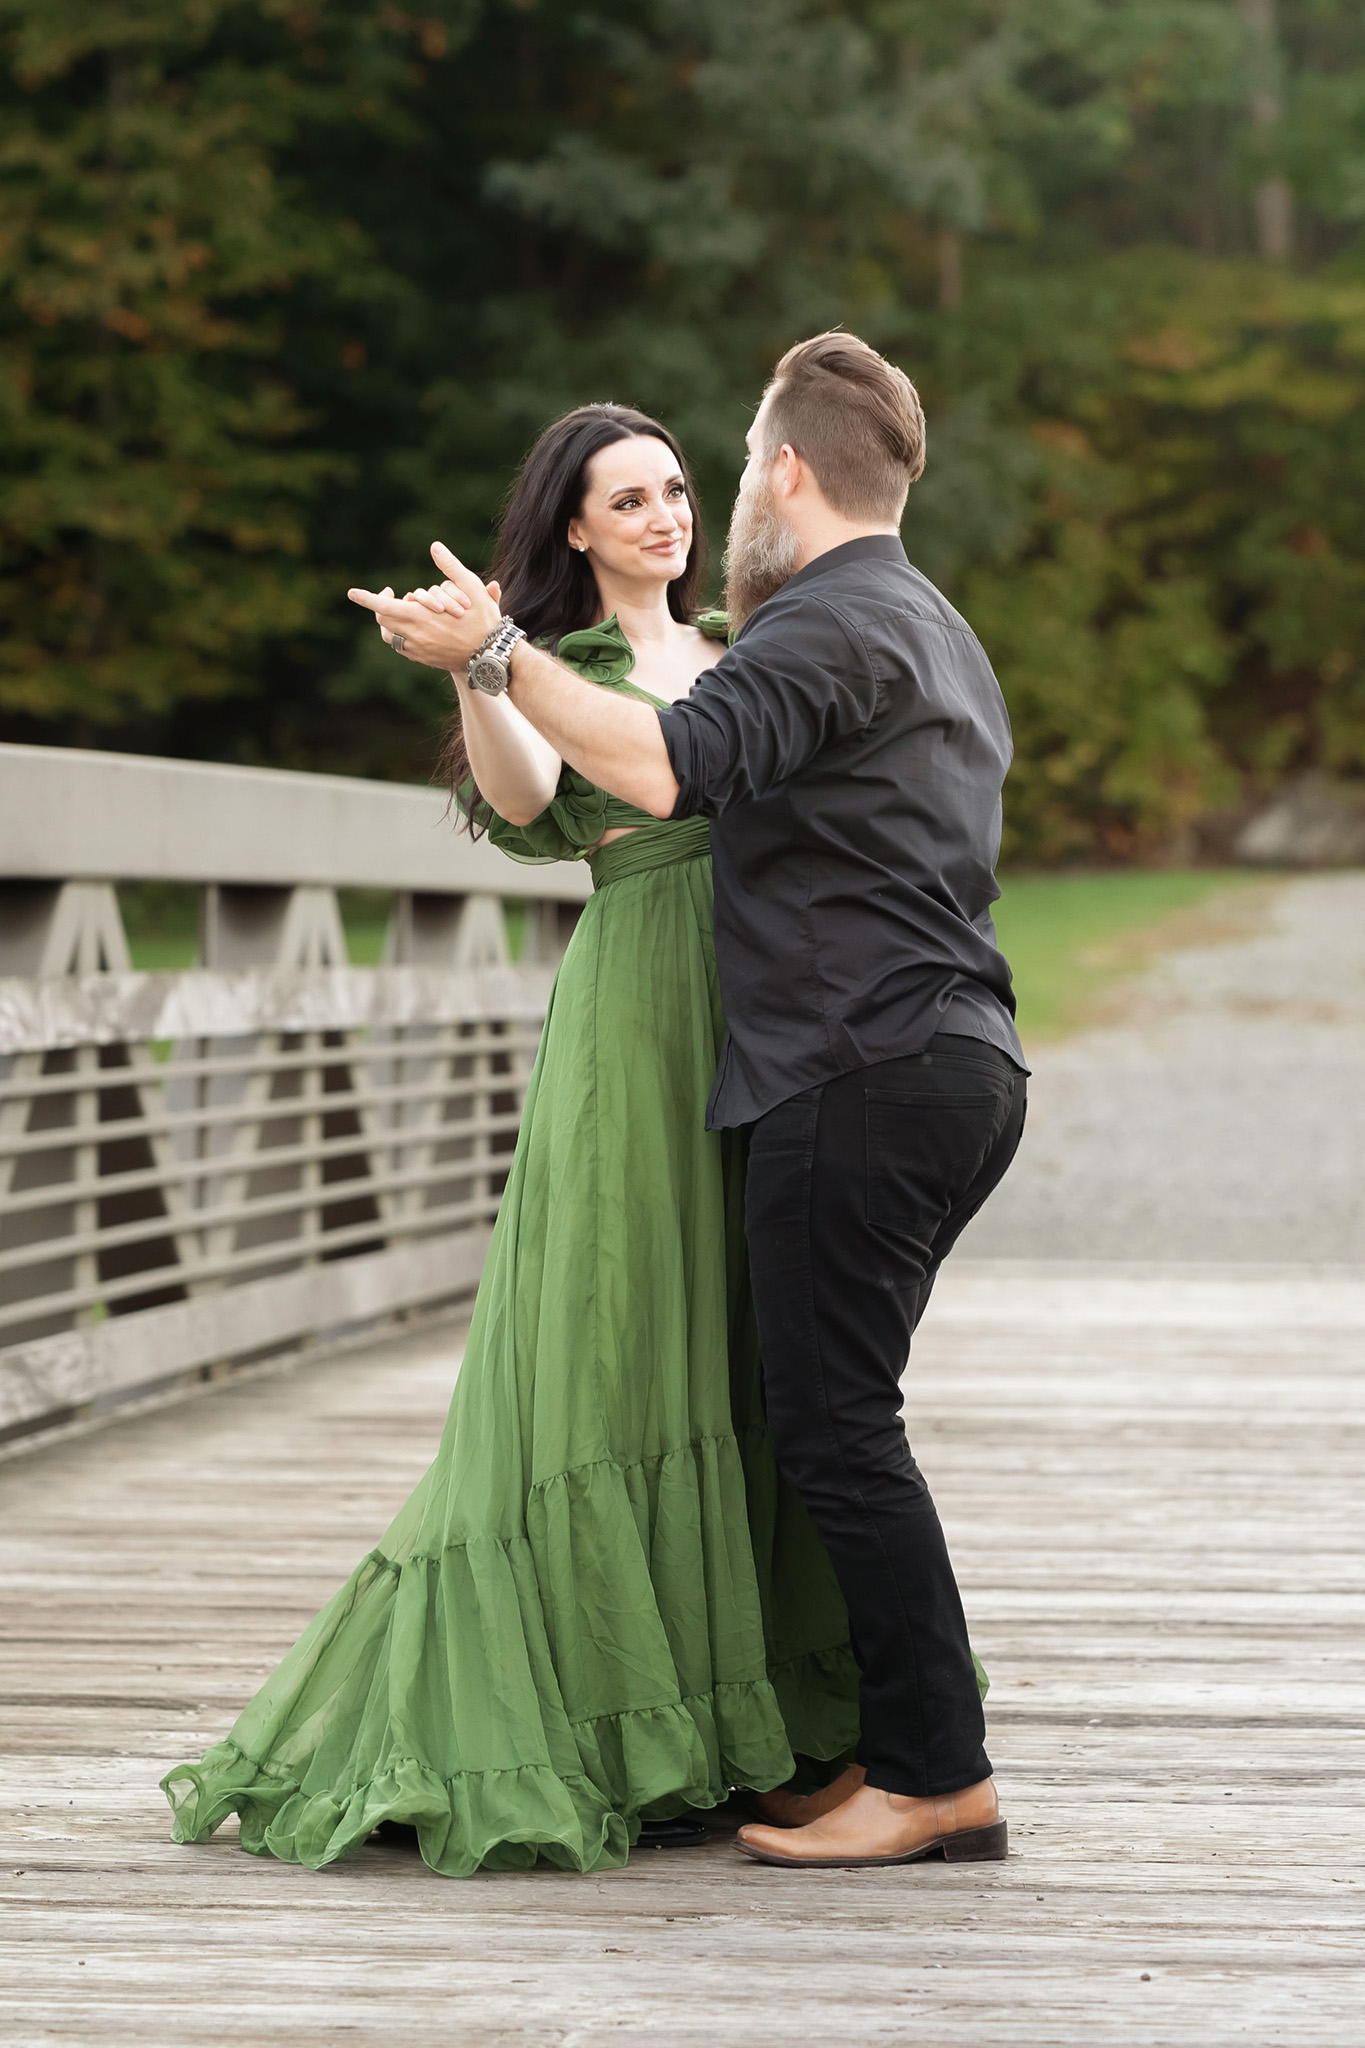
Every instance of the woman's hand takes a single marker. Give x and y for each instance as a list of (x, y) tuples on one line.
[(442, 627), (516, 770)]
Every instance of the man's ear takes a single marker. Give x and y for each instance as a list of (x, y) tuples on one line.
[(789, 468)]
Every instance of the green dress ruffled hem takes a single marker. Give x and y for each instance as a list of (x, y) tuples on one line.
[(375, 1670)]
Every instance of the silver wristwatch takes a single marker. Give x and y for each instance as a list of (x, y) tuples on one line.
[(489, 666)]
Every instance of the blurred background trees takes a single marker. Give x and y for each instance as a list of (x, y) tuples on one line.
[(286, 288)]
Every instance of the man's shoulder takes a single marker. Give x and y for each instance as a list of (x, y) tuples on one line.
[(851, 599), (899, 588), (792, 614), (854, 591), (904, 622)]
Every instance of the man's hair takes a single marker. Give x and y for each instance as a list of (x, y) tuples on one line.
[(854, 417)]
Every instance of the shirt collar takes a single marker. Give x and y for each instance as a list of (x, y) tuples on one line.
[(869, 547)]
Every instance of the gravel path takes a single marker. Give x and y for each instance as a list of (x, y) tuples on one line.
[(1223, 1119)]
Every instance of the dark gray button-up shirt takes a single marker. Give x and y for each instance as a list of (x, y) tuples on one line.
[(849, 750)]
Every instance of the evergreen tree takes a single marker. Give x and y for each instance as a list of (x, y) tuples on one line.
[(163, 256)]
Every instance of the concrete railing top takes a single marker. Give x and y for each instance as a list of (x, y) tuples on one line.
[(70, 814)]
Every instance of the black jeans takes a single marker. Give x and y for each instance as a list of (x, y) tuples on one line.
[(857, 1191)]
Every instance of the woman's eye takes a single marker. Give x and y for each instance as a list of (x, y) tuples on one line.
[(677, 490), (627, 504)]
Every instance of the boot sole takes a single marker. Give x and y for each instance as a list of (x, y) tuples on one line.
[(967, 1845)]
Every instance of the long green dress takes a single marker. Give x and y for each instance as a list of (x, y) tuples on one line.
[(601, 1600)]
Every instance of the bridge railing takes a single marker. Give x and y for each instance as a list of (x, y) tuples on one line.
[(201, 1167)]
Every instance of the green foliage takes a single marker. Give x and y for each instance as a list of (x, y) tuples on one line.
[(160, 253), (286, 289), (152, 512), (1186, 616)]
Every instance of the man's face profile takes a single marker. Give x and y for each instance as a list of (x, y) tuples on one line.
[(762, 548)]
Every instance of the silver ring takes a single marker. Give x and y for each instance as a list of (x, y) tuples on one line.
[(396, 642)]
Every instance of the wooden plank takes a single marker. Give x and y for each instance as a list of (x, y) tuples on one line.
[(1150, 1482)]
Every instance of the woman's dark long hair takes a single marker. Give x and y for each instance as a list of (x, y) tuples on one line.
[(547, 587)]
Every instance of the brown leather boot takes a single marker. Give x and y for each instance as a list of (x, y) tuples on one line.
[(783, 1809), (873, 1827)]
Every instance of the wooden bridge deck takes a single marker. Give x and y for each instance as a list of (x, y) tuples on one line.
[(1152, 1484)]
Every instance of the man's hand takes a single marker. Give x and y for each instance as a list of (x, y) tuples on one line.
[(441, 627)]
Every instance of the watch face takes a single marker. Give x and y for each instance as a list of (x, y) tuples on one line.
[(489, 674)]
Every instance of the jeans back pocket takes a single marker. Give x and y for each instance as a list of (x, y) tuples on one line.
[(924, 1150)]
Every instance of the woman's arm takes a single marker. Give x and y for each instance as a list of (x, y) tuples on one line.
[(516, 770)]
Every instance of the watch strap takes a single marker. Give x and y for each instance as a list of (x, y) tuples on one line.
[(501, 640)]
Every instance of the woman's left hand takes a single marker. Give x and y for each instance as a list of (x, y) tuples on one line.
[(441, 627)]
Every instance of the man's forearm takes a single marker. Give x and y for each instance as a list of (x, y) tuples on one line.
[(614, 740)]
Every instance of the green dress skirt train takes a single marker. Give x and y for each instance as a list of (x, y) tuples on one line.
[(601, 1601)]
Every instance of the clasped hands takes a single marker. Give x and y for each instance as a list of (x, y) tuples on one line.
[(442, 627)]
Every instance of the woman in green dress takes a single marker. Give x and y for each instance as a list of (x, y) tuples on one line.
[(601, 1605)]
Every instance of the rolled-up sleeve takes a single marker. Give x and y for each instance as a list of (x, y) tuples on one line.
[(797, 678)]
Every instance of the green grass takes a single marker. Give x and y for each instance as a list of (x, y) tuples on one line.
[(365, 934), (1070, 937), (152, 954), (365, 921), (162, 923)]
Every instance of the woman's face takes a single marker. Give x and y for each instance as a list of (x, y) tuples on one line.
[(635, 521)]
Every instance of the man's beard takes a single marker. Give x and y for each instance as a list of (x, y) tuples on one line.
[(760, 553)]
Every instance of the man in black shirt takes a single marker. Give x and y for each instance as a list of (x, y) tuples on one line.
[(849, 749)]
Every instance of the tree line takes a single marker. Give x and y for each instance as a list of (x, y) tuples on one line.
[(286, 288)]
